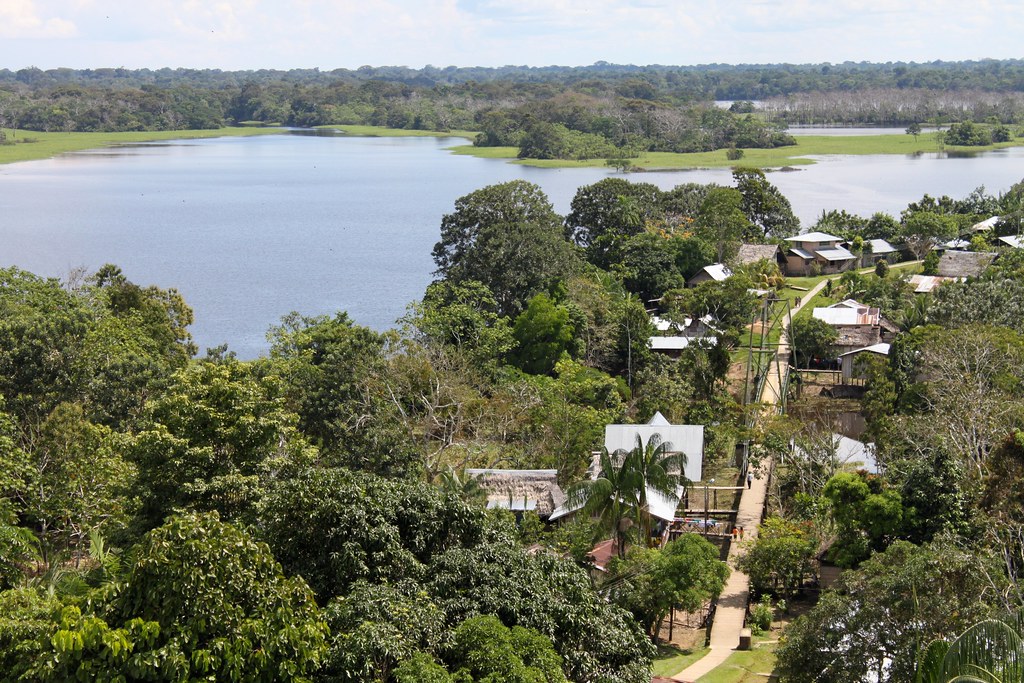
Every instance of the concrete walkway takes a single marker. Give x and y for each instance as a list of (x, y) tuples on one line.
[(731, 610)]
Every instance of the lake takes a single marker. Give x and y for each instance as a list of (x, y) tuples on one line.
[(249, 229)]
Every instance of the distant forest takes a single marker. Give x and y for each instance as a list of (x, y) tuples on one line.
[(602, 110)]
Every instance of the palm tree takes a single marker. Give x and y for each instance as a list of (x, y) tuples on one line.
[(618, 496), (465, 487), (990, 651), (659, 469), (611, 497)]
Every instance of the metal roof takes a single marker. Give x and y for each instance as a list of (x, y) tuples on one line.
[(986, 224), (814, 237), (659, 420), (835, 254), (924, 284), (880, 246), (658, 504), (1013, 241), (686, 439), (848, 312), (838, 316), (717, 271), (801, 253), (851, 452), (881, 348), (680, 343)]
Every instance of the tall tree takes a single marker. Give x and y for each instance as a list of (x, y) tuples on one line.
[(507, 237), (213, 441), (606, 214), (766, 208)]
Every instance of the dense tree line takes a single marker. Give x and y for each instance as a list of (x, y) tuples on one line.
[(699, 82), (879, 106), (601, 111)]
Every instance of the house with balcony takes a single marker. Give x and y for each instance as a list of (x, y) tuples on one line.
[(817, 252)]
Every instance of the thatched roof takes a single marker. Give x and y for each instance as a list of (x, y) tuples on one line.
[(858, 336), (536, 490), (964, 263), (752, 253)]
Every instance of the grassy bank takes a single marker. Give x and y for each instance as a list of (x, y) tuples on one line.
[(27, 145), (795, 155), (672, 660)]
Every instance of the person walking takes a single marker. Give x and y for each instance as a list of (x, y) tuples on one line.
[(750, 479), (741, 533)]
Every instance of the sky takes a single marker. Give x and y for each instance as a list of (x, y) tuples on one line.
[(329, 34)]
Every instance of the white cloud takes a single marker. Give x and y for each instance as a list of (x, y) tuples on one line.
[(233, 34), (21, 19)]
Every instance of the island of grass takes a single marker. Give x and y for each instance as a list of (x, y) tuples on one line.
[(28, 145), (799, 154)]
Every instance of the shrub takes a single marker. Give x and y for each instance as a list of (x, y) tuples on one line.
[(761, 616)]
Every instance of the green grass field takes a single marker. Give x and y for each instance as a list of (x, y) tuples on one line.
[(795, 155), (748, 666), (48, 145)]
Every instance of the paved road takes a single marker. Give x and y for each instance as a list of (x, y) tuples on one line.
[(731, 610)]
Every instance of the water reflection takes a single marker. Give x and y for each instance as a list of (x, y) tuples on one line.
[(319, 132)]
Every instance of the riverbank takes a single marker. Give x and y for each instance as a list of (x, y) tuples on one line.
[(29, 145), (800, 154), (32, 145)]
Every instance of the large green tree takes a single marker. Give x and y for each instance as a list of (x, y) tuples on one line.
[(812, 338), (335, 527), (766, 208), (543, 334), (876, 619), (685, 574), (604, 215), (507, 237), (781, 558), (213, 441), (332, 371), (200, 600)]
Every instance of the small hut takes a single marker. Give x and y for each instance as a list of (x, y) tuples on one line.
[(964, 264), (521, 490)]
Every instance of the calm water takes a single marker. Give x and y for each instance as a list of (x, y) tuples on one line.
[(249, 229)]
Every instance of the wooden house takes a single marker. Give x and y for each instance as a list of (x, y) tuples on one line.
[(817, 251)]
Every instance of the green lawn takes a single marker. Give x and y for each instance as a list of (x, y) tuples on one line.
[(48, 145), (672, 660), (794, 155), (744, 667)]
